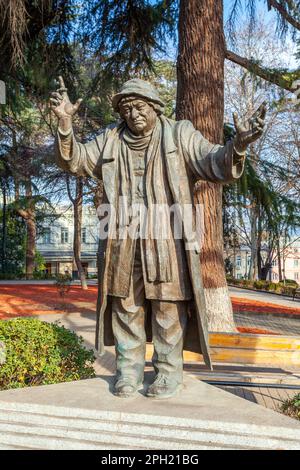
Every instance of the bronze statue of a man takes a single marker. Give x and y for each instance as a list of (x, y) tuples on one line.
[(150, 287)]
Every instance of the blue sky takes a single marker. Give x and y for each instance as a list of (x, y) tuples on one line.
[(261, 6)]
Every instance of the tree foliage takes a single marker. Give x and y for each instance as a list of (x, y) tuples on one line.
[(95, 45)]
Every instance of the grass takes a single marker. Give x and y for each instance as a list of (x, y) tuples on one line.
[(291, 407)]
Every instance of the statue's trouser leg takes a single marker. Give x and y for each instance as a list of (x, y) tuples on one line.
[(169, 320), (128, 324)]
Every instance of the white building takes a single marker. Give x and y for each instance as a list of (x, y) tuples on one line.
[(240, 259), (56, 243), (56, 247), (290, 262)]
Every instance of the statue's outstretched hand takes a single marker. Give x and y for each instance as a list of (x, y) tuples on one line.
[(251, 130), (61, 104)]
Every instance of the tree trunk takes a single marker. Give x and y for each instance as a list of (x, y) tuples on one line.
[(77, 231), (279, 259), (31, 231), (28, 214), (254, 247), (30, 244), (200, 98), (3, 240)]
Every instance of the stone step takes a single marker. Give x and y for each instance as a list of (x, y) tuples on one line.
[(85, 415), (155, 435), (18, 441), (42, 414), (107, 437), (15, 447)]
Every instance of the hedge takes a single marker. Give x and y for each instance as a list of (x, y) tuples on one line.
[(40, 353), (282, 288)]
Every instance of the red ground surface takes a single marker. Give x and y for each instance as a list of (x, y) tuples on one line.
[(247, 305), (30, 299)]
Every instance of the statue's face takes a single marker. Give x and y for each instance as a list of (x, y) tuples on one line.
[(139, 115)]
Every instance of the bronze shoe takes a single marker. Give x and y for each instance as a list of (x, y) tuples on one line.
[(125, 388), (163, 387)]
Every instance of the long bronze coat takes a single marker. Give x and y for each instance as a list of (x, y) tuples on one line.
[(187, 156)]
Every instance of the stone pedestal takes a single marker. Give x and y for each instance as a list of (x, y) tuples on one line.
[(85, 415)]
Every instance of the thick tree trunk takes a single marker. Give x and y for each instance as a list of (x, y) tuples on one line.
[(200, 98), (77, 231), (28, 214)]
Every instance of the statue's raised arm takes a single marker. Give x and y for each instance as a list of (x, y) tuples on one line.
[(62, 106), (249, 131), (72, 156), (220, 163)]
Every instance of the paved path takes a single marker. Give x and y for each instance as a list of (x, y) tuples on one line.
[(268, 397), (264, 297), (278, 325), (234, 291)]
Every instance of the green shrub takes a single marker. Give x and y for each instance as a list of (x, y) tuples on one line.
[(269, 285), (233, 281), (278, 287), (291, 282), (291, 407), (273, 286), (63, 284), (11, 276), (40, 353), (42, 275), (288, 287), (259, 284), (288, 290)]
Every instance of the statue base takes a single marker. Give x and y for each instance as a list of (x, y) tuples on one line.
[(86, 415)]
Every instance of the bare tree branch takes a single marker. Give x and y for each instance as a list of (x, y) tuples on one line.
[(284, 13), (270, 75)]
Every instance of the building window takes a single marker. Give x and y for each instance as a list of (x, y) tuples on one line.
[(64, 235), (46, 236), (83, 235), (296, 263), (274, 276), (296, 276), (238, 262), (274, 262)]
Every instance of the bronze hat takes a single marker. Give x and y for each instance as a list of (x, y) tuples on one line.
[(139, 88)]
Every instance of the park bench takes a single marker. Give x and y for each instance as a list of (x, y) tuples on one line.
[(251, 349)]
